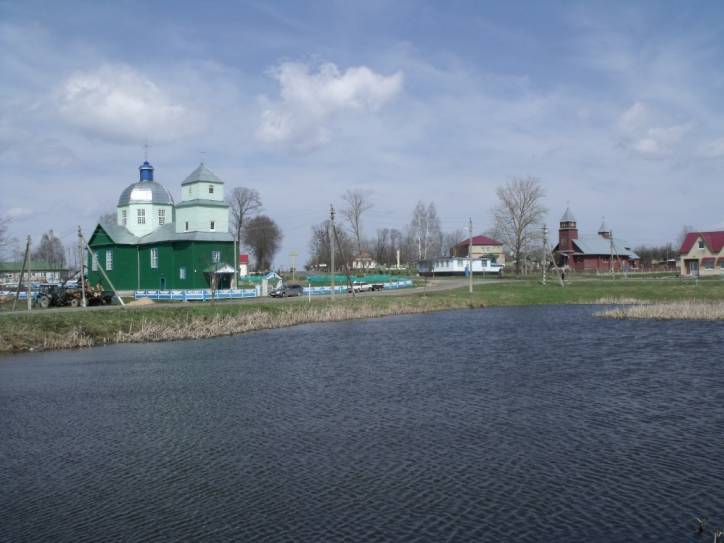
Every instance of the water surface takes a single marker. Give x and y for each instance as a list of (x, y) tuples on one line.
[(518, 424)]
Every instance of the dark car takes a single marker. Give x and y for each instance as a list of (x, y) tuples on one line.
[(287, 291)]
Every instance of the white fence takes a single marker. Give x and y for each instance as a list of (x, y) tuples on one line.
[(203, 295)]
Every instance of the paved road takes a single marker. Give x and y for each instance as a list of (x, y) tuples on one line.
[(433, 285)]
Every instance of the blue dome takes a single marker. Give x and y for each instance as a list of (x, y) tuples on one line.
[(146, 171)]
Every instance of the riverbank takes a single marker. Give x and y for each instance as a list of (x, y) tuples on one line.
[(50, 329), (693, 311)]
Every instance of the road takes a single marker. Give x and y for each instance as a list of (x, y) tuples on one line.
[(433, 285)]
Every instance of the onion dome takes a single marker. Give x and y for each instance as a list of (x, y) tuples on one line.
[(146, 190)]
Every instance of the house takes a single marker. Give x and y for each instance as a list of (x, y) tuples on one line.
[(364, 261), (158, 244), (451, 265), (482, 247), (701, 254), (599, 253), (40, 272), (243, 265)]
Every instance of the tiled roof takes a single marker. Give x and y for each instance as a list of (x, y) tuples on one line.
[(713, 240), (479, 240)]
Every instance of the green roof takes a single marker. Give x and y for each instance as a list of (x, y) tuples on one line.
[(35, 265), (200, 202), (202, 173), (121, 236)]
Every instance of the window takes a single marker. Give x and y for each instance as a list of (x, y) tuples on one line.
[(94, 260), (182, 272), (212, 225), (161, 216), (154, 258), (187, 226), (215, 257), (211, 189), (708, 263), (124, 217), (141, 216), (109, 260), (701, 244)]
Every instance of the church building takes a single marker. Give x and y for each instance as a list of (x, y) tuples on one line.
[(591, 253), (159, 244)]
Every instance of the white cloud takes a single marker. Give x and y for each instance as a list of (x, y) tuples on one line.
[(18, 212), (118, 103), (308, 100), (647, 135)]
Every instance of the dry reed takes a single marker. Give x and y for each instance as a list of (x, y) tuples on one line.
[(688, 310)]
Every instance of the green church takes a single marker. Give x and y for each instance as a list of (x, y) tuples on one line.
[(157, 244)]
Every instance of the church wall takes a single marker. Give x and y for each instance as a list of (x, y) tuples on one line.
[(200, 191), (200, 217), (124, 270)]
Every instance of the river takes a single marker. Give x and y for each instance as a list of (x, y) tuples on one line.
[(513, 424)]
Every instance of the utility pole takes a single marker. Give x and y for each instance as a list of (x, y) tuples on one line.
[(22, 273), (83, 302), (294, 256), (470, 255), (610, 241), (30, 278), (544, 260), (331, 244)]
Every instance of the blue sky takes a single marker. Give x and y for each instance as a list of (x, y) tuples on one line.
[(615, 107)]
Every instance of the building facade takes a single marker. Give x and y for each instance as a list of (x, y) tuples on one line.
[(702, 254), (600, 253), (482, 247), (157, 244)]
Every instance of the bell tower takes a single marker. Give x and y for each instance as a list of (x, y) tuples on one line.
[(567, 232)]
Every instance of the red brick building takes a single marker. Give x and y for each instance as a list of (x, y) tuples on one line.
[(591, 253)]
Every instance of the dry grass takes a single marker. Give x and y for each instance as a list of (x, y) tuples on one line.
[(31, 335), (689, 310)]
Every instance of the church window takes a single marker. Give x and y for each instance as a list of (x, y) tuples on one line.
[(124, 217), (109, 260), (141, 216), (94, 260), (187, 226), (213, 225), (182, 272), (154, 258), (211, 189), (161, 216), (215, 257)]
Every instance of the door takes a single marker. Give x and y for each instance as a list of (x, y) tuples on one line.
[(693, 267), (163, 283)]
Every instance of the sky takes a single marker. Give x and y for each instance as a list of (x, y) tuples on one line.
[(616, 107)]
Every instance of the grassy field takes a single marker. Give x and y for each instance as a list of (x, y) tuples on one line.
[(49, 329)]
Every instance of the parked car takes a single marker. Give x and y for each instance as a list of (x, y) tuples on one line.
[(360, 286), (286, 291)]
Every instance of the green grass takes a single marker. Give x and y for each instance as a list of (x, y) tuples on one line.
[(49, 329)]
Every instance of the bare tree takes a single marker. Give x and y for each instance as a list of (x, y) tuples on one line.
[(682, 235), (451, 239), (320, 248), (263, 237), (50, 250), (424, 230), (358, 203), (382, 246), (108, 218), (517, 215), (6, 240), (243, 204)]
